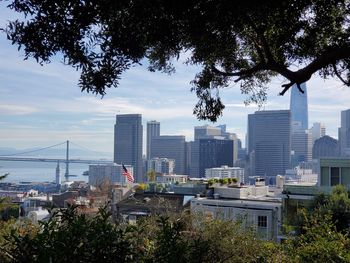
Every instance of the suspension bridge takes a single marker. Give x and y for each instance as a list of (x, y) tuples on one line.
[(67, 160)]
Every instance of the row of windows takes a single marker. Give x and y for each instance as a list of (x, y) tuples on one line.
[(262, 220)]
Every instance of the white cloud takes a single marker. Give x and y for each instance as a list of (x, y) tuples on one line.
[(11, 109)]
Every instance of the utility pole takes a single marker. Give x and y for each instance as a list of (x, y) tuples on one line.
[(67, 162)]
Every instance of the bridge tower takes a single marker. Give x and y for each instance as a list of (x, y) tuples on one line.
[(66, 175)]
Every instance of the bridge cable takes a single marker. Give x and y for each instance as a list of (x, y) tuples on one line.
[(44, 148), (83, 147)]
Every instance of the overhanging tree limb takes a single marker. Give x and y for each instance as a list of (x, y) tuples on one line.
[(242, 41)]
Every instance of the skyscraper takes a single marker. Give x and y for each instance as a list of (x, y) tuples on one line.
[(215, 153), (128, 142), (301, 147), (171, 147), (299, 108), (209, 133), (318, 130), (153, 130), (206, 131), (344, 133), (200, 132), (269, 135)]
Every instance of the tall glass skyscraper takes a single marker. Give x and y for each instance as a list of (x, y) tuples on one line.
[(269, 135), (298, 108), (128, 143), (153, 130)]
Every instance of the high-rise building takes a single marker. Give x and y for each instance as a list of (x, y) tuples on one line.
[(299, 108), (153, 130), (344, 133), (128, 143), (214, 153), (269, 135), (206, 131), (201, 132), (325, 146), (171, 147), (301, 147), (161, 165), (209, 132), (318, 130), (113, 173)]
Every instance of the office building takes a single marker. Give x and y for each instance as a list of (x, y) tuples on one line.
[(128, 143), (269, 135), (161, 165), (107, 173), (325, 146), (153, 130), (208, 132), (344, 133), (225, 172), (214, 153), (299, 108), (318, 130), (301, 147), (171, 147)]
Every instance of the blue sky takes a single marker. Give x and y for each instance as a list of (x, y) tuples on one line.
[(42, 105)]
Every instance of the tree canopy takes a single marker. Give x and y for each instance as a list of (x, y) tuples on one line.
[(242, 42)]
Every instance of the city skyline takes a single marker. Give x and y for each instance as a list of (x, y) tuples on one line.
[(43, 105)]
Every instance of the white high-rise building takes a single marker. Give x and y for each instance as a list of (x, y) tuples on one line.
[(161, 165), (318, 130)]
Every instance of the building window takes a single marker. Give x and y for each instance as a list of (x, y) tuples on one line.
[(262, 221), (335, 176)]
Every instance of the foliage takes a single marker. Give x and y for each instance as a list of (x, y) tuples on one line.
[(151, 176), (320, 241), (22, 227), (337, 204), (71, 237), (234, 180), (8, 209), (2, 177), (141, 187), (245, 42), (222, 181)]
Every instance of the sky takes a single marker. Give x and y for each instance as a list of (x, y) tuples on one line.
[(43, 105)]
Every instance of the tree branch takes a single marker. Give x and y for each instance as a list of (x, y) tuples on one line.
[(336, 72), (242, 73)]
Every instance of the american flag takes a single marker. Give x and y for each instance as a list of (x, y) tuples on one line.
[(128, 176)]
